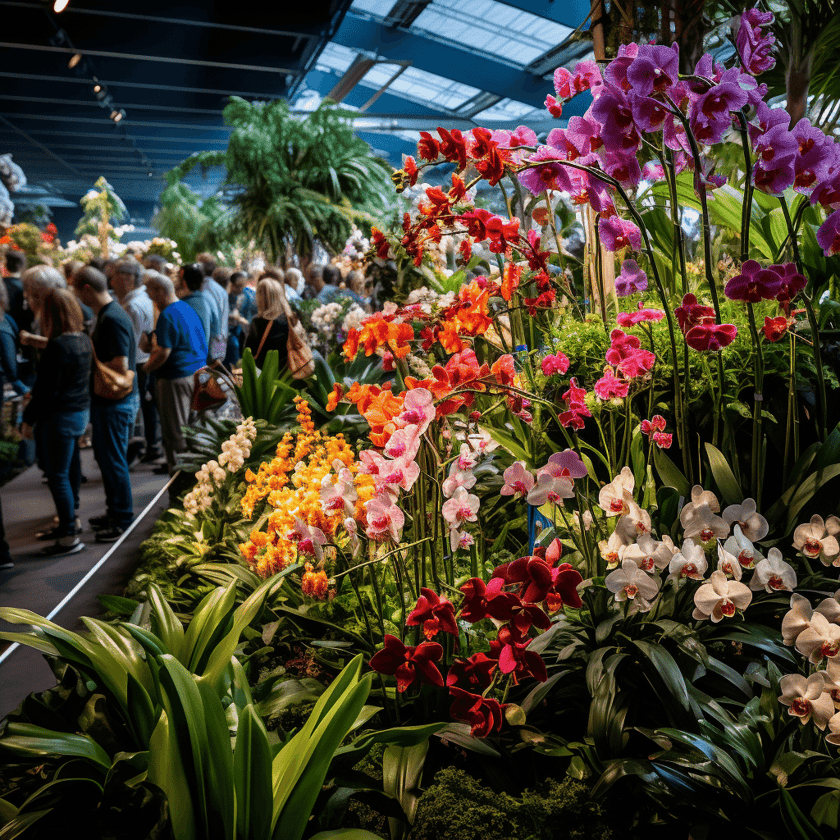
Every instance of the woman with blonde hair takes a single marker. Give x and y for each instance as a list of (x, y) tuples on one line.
[(59, 411), (270, 328)]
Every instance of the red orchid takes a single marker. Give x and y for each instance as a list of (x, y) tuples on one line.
[(775, 328), (408, 663), (663, 440), (428, 148), (481, 601), (564, 582), (515, 658), (483, 714), (434, 613), (453, 146), (693, 314), (655, 424), (381, 244), (475, 673), (532, 573)]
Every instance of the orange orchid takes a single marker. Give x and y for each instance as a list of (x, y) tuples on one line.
[(510, 280)]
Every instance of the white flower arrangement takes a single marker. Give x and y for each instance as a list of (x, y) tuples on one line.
[(232, 458)]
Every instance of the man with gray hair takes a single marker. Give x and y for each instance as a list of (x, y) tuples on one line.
[(131, 293), (177, 349)]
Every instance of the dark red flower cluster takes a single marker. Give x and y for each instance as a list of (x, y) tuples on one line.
[(576, 409), (700, 328)]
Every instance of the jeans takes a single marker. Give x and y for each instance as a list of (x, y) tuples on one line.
[(58, 439), (148, 409), (112, 427)]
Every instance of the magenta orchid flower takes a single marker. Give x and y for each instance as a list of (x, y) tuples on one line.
[(404, 443), (555, 363), (609, 387), (565, 464), (828, 235), (753, 44), (309, 539), (617, 233), (754, 283), (711, 337)]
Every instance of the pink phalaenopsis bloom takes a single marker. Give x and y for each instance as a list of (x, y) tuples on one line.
[(340, 495), (828, 235), (396, 475), (404, 443), (518, 481), (461, 508), (754, 283), (309, 539), (609, 387), (626, 355), (655, 424), (654, 70), (663, 439), (617, 233), (640, 316), (384, 519), (555, 363), (693, 314), (576, 412), (631, 279), (457, 478), (754, 45), (551, 175), (418, 409)]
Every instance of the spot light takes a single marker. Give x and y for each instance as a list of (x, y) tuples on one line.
[(117, 115), (74, 60), (60, 5)]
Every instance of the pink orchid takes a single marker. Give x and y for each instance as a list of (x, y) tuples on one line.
[(461, 508), (518, 481), (309, 540), (418, 409), (384, 519), (338, 496), (550, 489), (457, 478), (396, 475), (558, 363), (403, 443), (565, 464), (609, 387), (630, 319)]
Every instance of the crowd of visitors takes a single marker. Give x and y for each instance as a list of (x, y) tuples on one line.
[(111, 349)]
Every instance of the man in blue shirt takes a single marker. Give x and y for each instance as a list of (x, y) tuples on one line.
[(217, 342), (112, 420), (191, 281), (177, 349)]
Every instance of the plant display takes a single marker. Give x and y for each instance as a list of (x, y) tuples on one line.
[(102, 207), (561, 516)]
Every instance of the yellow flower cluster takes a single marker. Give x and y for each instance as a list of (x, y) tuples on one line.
[(289, 487)]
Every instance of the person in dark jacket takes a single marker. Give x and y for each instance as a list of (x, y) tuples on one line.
[(59, 411), (8, 348), (270, 329)]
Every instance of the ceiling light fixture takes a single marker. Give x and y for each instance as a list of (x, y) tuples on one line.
[(74, 60), (60, 5), (116, 115)]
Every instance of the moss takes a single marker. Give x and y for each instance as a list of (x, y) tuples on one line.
[(459, 807)]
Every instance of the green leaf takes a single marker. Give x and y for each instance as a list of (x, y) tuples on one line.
[(670, 475), (26, 739), (252, 777), (402, 768), (797, 823), (724, 477)]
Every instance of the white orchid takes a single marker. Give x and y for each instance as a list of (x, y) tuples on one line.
[(720, 598), (550, 489), (630, 583), (704, 525), (798, 618), (728, 563), (820, 639), (649, 554), (699, 496), (688, 562), (612, 549), (834, 730), (818, 539), (634, 523), (615, 496), (752, 524), (742, 548), (807, 698), (773, 574)]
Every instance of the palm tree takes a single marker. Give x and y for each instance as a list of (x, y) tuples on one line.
[(291, 183)]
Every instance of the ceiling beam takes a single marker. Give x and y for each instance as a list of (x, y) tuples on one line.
[(41, 146), (193, 62)]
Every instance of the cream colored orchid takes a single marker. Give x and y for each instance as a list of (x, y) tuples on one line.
[(818, 540), (742, 548), (615, 496), (630, 583), (797, 619), (807, 698), (753, 525), (649, 554), (612, 549), (773, 574), (834, 730), (634, 523), (704, 525), (699, 496), (820, 639), (688, 562), (728, 563), (720, 598)]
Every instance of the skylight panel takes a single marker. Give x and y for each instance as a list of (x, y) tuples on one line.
[(335, 57), (491, 27), (420, 86), (506, 110), (380, 8)]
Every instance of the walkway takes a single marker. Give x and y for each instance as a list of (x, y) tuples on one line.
[(40, 584)]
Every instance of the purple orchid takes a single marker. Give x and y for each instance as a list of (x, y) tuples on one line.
[(754, 283), (653, 171), (815, 156), (624, 168), (754, 46), (552, 176), (655, 69), (617, 233), (631, 279), (618, 128), (616, 71), (649, 113), (828, 236)]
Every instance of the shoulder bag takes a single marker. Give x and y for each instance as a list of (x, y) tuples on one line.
[(109, 384)]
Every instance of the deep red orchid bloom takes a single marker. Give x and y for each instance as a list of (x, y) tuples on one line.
[(474, 674), (436, 614), (453, 146), (428, 148), (483, 714), (552, 552), (408, 663), (564, 582), (693, 314), (711, 337), (775, 328), (515, 658), (481, 601), (533, 575)]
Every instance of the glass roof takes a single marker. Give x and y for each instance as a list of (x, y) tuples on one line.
[(420, 86), (335, 57), (490, 26), (507, 110)]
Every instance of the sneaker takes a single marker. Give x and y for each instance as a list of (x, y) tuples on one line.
[(151, 457), (7, 564), (65, 545), (110, 534), (54, 532), (99, 522)]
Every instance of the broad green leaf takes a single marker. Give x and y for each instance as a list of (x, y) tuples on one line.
[(670, 475), (26, 739), (724, 477), (252, 777)]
